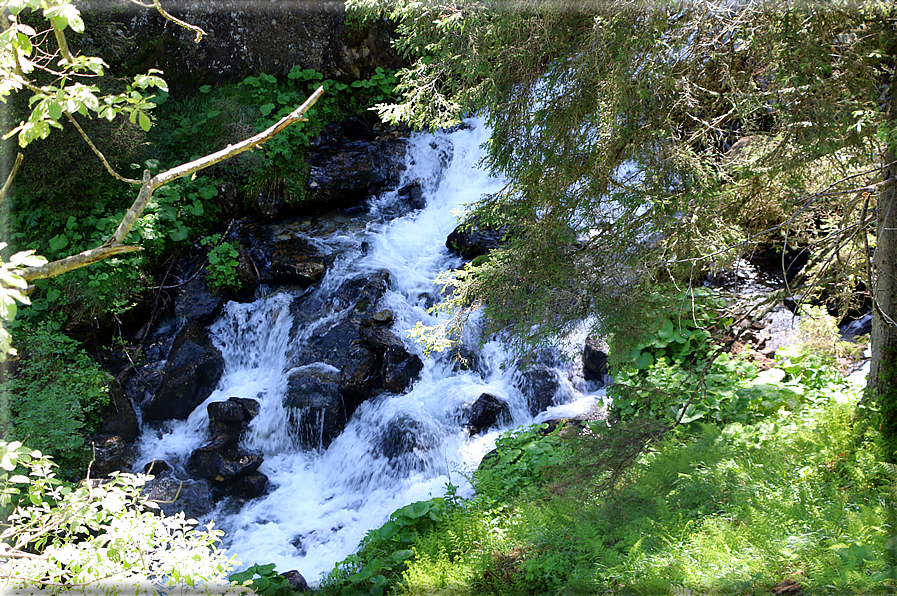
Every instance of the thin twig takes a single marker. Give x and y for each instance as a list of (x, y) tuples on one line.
[(99, 153), (12, 175)]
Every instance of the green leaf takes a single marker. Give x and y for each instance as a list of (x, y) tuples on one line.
[(145, 122), (266, 109), (59, 242)]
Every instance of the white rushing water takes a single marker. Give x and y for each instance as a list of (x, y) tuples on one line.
[(321, 503)]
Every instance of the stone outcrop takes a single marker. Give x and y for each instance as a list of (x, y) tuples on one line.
[(119, 417), (230, 469), (242, 38), (173, 496), (191, 374), (283, 255), (472, 239), (539, 384), (315, 405), (330, 342), (111, 454), (350, 162), (486, 412), (594, 360), (378, 361)]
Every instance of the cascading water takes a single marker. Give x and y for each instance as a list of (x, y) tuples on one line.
[(321, 502)]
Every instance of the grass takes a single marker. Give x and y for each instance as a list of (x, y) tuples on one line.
[(799, 497)]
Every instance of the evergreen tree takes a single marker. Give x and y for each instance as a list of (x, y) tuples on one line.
[(649, 143)]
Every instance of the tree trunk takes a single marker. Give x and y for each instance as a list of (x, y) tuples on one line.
[(882, 384)]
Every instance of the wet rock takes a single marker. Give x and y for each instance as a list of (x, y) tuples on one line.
[(250, 486), (378, 361), (331, 342), (316, 408), (119, 417), (594, 360), (191, 374), (222, 466), (384, 317), (111, 454), (173, 496), (485, 412), (405, 441), (226, 412), (283, 255), (413, 195), (346, 171), (156, 468), (539, 384), (228, 420), (360, 375), (400, 369), (196, 302), (297, 582), (472, 239)]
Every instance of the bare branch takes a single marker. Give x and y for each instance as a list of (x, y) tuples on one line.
[(155, 3), (11, 177), (98, 153), (114, 245)]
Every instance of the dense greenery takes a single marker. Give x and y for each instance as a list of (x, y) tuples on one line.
[(98, 538), (651, 142), (793, 492), (55, 396)]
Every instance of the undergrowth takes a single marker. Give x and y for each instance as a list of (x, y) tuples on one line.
[(793, 492)]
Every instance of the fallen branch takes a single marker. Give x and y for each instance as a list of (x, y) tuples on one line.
[(114, 246)]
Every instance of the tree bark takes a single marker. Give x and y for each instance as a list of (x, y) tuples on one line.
[(114, 245), (882, 383)]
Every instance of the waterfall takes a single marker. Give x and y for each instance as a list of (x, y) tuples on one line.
[(395, 449)]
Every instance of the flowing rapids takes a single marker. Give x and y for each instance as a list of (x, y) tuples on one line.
[(321, 503)]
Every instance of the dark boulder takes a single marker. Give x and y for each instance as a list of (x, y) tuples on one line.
[(173, 496), (111, 454), (360, 375), (539, 384), (406, 442), (250, 486), (297, 582), (157, 467), (222, 466), (485, 412), (378, 361), (331, 343), (472, 239), (315, 405), (282, 254), (345, 171), (226, 412), (192, 372), (594, 360), (196, 302), (228, 420), (400, 369), (119, 417), (413, 195)]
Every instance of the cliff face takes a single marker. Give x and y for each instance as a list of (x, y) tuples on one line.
[(243, 37)]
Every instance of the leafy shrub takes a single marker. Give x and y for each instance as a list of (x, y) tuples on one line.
[(383, 552), (221, 272), (55, 394), (518, 462), (268, 582), (98, 538)]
